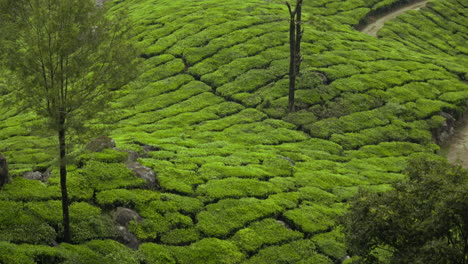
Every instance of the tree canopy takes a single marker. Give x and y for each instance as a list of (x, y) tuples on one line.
[(423, 220), (66, 57)]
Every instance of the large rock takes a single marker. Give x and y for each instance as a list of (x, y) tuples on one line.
[(33, 175), (445, 132), (123, 216), (127, 238), (37, 175), (100, 143), (4, 177), (144, 173)]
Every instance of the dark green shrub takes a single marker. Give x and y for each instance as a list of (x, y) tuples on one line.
[(105, 176), (11, 254), (236, 188), (294, 252), (313, 217), (126, 198), (179, 237), (208, 251), (223, 217), (331, 243), (22, 189), (265, 232), (107, 156), (19, 225)]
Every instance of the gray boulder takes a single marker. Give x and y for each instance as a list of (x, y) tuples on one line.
[(127, 238), (144, 173), (33, 175), (123, 216), (100, 143)]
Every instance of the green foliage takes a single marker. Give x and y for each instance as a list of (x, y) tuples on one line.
[(21, 189), (265, 232), (105, 176), (180, 237), (208, 250), (222, 218), (421, 220), (236, 188), (300, 250), (20, 226), (125, 198), (107, 156), (313, 217), (98, 252)]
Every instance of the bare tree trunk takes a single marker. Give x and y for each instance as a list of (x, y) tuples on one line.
[(63, 179), (299, 32), (295, 37), (4, 177), (292, 57)]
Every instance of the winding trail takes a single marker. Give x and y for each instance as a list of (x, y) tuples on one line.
[(456, 148), (375, 26)]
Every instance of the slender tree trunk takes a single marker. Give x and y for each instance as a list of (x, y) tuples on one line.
[(63, 179), (292, 58), (299, 32), (4, 177)]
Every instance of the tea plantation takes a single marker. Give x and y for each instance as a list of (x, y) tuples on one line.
[(240, 180)]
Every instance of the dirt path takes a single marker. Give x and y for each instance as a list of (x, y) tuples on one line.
[(375, 26), (456, 149)]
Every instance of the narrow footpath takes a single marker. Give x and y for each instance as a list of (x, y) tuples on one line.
[(456, 148), (375, 26)]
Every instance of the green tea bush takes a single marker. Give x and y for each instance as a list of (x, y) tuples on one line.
[(21, 189), (98, 252), (150, 228), (294, 252), (287, 200), (20, 226), (316, 195), (244, 116), (11, 254), (107, 156), (105, 176), (208, 251), (125, 198), (176, 203), (79, 188), (156, 254), (217, 170), (236, 188), (331, 243), (326, 180), (225, 216), (313, 217), (88, 223), (265, 232), (180, 237)]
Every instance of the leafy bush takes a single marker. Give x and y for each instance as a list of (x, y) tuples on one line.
[(313, 217), (221, 218), (20, 226), (265, 232), (179, 237), (236, 188), (22, 189), (126, 198), (105, 176), (294, 252)]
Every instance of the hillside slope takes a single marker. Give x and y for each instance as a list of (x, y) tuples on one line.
[(240, 179)]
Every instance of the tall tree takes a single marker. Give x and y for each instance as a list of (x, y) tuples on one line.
[(67, 56), (423, 220), (295, 38)]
